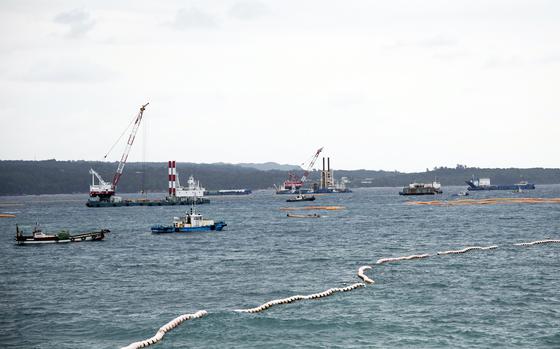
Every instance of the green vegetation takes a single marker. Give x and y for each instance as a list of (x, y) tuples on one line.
[(57, 177)]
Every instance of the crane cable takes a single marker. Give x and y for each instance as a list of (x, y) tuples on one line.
[(120, 137)]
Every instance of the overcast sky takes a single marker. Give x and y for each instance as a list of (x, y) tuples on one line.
[(396, 84)]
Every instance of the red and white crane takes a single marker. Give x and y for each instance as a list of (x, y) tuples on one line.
[(310, 166), (105, 190), (293, 184)]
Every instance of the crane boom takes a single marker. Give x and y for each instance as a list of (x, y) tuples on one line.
[(101, 181), (310, 166), (131, 138)]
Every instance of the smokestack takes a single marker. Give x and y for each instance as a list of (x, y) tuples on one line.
[(328, 164), (323, 163), (172, 173)]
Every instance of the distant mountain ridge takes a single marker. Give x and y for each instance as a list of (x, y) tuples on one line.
[(19, 177), (267, 166)]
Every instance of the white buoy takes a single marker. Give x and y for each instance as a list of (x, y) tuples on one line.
[(162, 330), (363, 276)]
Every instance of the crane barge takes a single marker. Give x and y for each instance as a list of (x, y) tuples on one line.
[(102, 193), (294, 185)]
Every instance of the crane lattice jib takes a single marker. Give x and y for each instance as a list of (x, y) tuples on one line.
[(306, 172), (131, 138)]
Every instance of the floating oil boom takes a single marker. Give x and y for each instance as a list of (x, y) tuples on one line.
[(103, 190)]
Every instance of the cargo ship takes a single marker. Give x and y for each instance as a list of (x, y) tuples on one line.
[(227, 192), (484, 184), (422, 189)]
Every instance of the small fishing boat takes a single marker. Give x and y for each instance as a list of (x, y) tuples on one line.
[(292, 215), (39, 237), (422, 189), (190, 222), (301, 198), (461, 193)]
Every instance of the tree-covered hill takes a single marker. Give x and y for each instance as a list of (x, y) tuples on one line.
[(56, 177)]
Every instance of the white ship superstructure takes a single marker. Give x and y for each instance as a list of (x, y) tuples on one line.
[(192, 190)]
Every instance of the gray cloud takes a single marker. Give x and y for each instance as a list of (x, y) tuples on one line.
[(67, 72), (512, 61), (78, 21), (193, 18), (452, 55), (551, 58), (345, 100), (248, 10), (437, 41)]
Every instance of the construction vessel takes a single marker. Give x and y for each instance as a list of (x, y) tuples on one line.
[(193, 193), (294, 185), (102, 193), (328, 184)]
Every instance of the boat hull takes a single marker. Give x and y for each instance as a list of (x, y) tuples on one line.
[(311, 191), (228, 192), (332, 191), (166, 229), (417, 193), (295, 191), (299, 200), (528, 186), (199, 201), (292, 215), (31, 240)]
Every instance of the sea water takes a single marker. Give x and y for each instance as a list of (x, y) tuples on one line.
[(111, 293)]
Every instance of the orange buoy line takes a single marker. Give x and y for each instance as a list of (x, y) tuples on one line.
[(488, 201), (327, 208)]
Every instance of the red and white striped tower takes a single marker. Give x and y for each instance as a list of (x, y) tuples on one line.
[(172, 178)]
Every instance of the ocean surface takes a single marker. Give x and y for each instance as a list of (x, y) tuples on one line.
[(111, 293)]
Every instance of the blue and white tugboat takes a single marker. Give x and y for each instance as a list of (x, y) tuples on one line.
[(190, 222)]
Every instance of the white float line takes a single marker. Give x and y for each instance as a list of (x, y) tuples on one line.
[(363, 276), (538, 242), (404, 258), (467, 249), (166, 328), (292, 299), (177, 321)]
